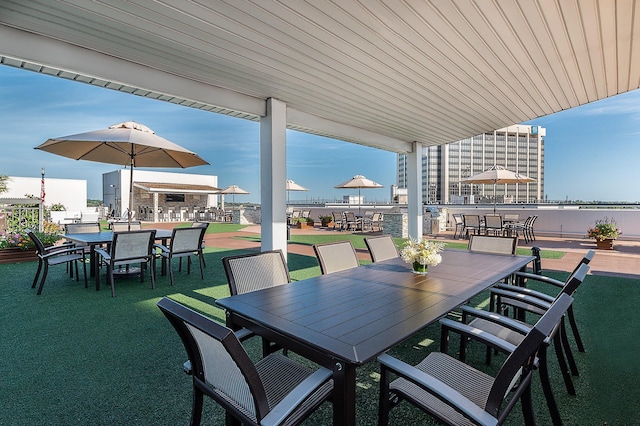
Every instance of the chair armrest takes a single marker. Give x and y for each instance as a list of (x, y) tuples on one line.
[(438, 389), (296, 397), (521, 298), (510, 323), (471, 332), (65, 244), (162, 248), (53, 253), (540, 278), (524, 290), (103, 253)]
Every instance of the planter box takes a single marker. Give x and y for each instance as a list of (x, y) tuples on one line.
[(605, 244), (15, 255), (304, 225)]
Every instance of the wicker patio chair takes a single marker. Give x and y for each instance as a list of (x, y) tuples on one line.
[(504, 334), (56, 255), (456, 393), (492, 244), (336, 256), (255, 271), (184, 243), (493, 224), (544, 296), (130, 247), (471, 224), (381, 248), (274, 391)]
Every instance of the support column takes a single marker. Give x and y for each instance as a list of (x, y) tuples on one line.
[(414, 190), (273, 176)]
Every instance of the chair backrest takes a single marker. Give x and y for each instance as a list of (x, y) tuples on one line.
[(350, 216), (185, 240), (493, 221), (82, 228), (472, 220), (255, 271), (457, 218), (493, 244), (575, 279), (129, 245), (381, 248), (511, 217), (337, 256), (337, 217), (219, 363), (377, 217), (204, 225), (124, 226), (38, 243), (520, 363)]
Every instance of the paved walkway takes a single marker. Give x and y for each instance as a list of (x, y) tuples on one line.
[(622, 261)]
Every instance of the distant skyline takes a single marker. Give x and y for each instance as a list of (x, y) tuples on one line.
[(590, 152)]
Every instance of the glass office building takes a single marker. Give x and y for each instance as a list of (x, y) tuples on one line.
[(519, 148)]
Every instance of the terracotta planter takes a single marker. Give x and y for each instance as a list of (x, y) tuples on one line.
[(327, 224), (15, 255), (606, 244)]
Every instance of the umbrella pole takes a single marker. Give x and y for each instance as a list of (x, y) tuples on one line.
[(130, 192)]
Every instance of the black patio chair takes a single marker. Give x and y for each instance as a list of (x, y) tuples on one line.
[(255, 271), (456, 393), (129, 247), (56, 255), (184, 243), (274, 391)]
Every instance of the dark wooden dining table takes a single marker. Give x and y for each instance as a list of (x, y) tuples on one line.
[(94, 239), (345, 319)]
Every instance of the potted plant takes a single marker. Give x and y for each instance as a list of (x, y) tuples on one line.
[(604, 232), (326, 220), (303, 222)]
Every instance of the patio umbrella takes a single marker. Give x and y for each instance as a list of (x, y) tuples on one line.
[(359, 181), (127, 143), (495, 175), (292, 186), (233, 190)]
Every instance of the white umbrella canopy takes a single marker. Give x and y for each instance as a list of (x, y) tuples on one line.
[(359, 181), (497, 175), (233, 190), (292, 186), (127, 143)]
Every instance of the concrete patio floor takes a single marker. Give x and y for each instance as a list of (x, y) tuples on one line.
[(622, 261)]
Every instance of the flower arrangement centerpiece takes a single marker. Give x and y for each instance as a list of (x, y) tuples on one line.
[(421, 254), (604, 229)]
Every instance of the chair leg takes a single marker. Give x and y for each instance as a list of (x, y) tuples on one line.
[(84, 269), (557, 346), (35, 279), (152, 267), (568, 351), (111, 280), (574, 329), (196, 407), (75, 263), (383, 404), (546, 387), (171, 269), (44, 277), (201, 261), (527, 406)]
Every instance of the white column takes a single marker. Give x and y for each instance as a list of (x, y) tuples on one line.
[(156, 218), (414, 190), (273, 197)]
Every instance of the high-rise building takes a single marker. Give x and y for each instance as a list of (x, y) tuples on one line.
[(519, 148)]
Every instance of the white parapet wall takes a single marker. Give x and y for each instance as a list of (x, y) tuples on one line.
[(71, 193)]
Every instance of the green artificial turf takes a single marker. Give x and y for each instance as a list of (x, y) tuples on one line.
[(74, 356)]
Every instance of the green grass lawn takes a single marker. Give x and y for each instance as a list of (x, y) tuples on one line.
[(74, 356)]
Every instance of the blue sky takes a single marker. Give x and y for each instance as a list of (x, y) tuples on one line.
[(590, 152)]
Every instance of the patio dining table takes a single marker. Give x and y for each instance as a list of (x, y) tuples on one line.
[(93, 239), (345, 319)]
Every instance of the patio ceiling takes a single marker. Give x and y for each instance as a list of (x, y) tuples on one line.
[(381, 73)]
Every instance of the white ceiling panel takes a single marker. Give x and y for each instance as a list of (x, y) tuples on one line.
[(383, 73)]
